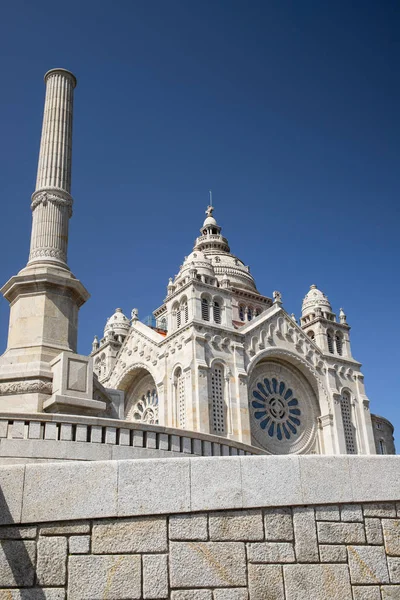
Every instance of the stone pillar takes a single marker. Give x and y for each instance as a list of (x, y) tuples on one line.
[(45, 296), (51, 201)]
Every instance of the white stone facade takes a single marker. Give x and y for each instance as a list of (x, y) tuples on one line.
[(223, 359)]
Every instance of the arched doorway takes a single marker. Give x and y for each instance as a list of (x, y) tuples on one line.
[(283, 409), (141, 400)]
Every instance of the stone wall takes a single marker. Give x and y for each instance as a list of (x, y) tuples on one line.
[(301, 553), (195, 529)]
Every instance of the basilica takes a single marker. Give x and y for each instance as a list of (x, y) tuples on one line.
[(222, 358), (219, 358)]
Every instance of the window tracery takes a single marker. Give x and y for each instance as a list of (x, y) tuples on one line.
[(142, 399), (283, 409), (218, 408), (348, 425), (180, 402)]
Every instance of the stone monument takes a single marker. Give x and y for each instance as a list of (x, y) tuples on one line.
[(45, 296)]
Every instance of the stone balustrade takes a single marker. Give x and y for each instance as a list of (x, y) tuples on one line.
[(38, 437)]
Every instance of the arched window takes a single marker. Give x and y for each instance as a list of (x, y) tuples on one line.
[(217, 312), (339, 344), (205, 309), (184, 311), (97, 367), (249, 313), (330, 342), (163, 324), (311, 335), (348, 425), (179, 383), (103, 365), (382, 447), (218, 408), (176, 317), (241, 312)]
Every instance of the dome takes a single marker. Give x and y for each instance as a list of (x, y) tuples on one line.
[(315, 299), (118, 323), (210, 222), (199, 261), (228, 265)]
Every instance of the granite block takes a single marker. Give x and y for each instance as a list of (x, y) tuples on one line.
[(142, 489), (207, 564), (244, 525), (115, 577), (121, 536)]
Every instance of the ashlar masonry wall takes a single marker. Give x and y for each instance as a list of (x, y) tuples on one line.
[(214, 530)]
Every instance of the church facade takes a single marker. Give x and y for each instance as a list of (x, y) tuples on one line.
[(219, 359), (223, 359)]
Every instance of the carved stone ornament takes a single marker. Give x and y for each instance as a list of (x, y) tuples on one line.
[(60, 198), (52, 252), (142, 402), (26, 387), (283, 409)]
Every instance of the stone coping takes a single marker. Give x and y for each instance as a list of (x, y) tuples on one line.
[(82, 490)]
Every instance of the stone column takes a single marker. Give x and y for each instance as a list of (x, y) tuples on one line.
[(51, 201), (45, 296)]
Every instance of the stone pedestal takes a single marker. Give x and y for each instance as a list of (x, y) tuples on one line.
[(44, 304)]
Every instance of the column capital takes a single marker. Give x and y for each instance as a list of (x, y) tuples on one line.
[(63, 72)]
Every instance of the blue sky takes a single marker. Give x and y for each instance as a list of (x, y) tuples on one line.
[(287, 110)]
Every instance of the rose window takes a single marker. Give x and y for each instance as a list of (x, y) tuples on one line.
[(276, 408)]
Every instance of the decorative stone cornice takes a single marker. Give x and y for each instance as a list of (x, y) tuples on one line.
[(26, 387), (56, 196)]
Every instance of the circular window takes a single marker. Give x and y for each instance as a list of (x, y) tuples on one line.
[(282, 408)]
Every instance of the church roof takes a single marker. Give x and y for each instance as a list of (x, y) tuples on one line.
[(315, 299), (211, 254), (118, 323)]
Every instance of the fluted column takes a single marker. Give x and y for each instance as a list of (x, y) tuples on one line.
[(51, 201)]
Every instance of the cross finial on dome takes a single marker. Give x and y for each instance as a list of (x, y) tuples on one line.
[(209, 210)]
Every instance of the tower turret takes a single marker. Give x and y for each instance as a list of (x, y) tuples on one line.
[(319, 322)]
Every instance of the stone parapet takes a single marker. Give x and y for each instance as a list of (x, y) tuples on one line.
[(186, 530), (85, 490)]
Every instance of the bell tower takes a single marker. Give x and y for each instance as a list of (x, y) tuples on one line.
[(45, 296)]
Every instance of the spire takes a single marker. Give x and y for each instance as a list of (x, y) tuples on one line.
[(51, 202)]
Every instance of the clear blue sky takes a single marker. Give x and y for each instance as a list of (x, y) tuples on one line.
[(288, 110)]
